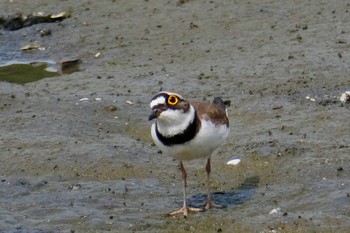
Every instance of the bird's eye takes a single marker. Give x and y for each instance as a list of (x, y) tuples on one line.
[(172, 100)]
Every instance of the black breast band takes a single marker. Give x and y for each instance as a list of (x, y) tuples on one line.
[(185, 136)]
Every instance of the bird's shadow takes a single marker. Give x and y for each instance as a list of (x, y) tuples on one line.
[(229, 198)]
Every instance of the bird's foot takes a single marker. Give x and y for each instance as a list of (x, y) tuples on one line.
[(210, 204), (185, 210)]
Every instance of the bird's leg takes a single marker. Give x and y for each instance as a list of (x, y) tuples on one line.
[(208, 203), (185, 208)]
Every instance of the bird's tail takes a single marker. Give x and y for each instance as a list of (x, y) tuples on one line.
[(223, 104)]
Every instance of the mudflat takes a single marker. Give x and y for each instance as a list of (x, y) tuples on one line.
[(76, 153)]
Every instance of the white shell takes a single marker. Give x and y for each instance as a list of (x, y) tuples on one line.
[(234, 161), (345, 97), (84, 99), (275, 211)]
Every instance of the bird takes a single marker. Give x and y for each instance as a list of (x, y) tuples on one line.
[(188, 130)]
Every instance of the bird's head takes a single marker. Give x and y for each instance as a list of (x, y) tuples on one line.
[(169, 107)]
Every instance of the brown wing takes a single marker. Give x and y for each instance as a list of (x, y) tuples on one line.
[(211, 112)]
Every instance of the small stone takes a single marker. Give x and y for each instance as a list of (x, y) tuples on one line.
[(45, 32)]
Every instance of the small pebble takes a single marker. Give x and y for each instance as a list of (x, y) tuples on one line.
[(74, 187), (309, 98), (45, 32)]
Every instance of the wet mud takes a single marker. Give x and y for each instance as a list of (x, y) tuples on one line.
[(19, 21), (76, 153)]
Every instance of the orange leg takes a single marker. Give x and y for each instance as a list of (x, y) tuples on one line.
[(185, 209), (208, 203)]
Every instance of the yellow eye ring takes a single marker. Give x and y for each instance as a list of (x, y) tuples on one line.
[(172, 100)]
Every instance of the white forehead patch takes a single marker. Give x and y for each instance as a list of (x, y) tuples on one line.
[(171, 93), (155, 102)]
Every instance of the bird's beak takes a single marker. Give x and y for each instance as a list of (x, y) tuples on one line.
[(155, 113)]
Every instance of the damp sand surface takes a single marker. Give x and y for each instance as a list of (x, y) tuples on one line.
[(75, 150)]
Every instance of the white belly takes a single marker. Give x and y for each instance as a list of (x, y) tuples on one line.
[(202, 145)]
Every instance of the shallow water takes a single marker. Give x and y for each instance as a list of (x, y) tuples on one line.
[(25, 73)]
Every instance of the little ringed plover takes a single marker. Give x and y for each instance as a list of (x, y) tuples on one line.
[(189, 130)]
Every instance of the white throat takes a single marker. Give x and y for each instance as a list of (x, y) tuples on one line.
[(172, 122)]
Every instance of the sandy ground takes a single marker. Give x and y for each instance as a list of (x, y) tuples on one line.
[(90, 166)]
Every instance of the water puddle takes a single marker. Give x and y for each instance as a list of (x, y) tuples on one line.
[(25, 72)]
